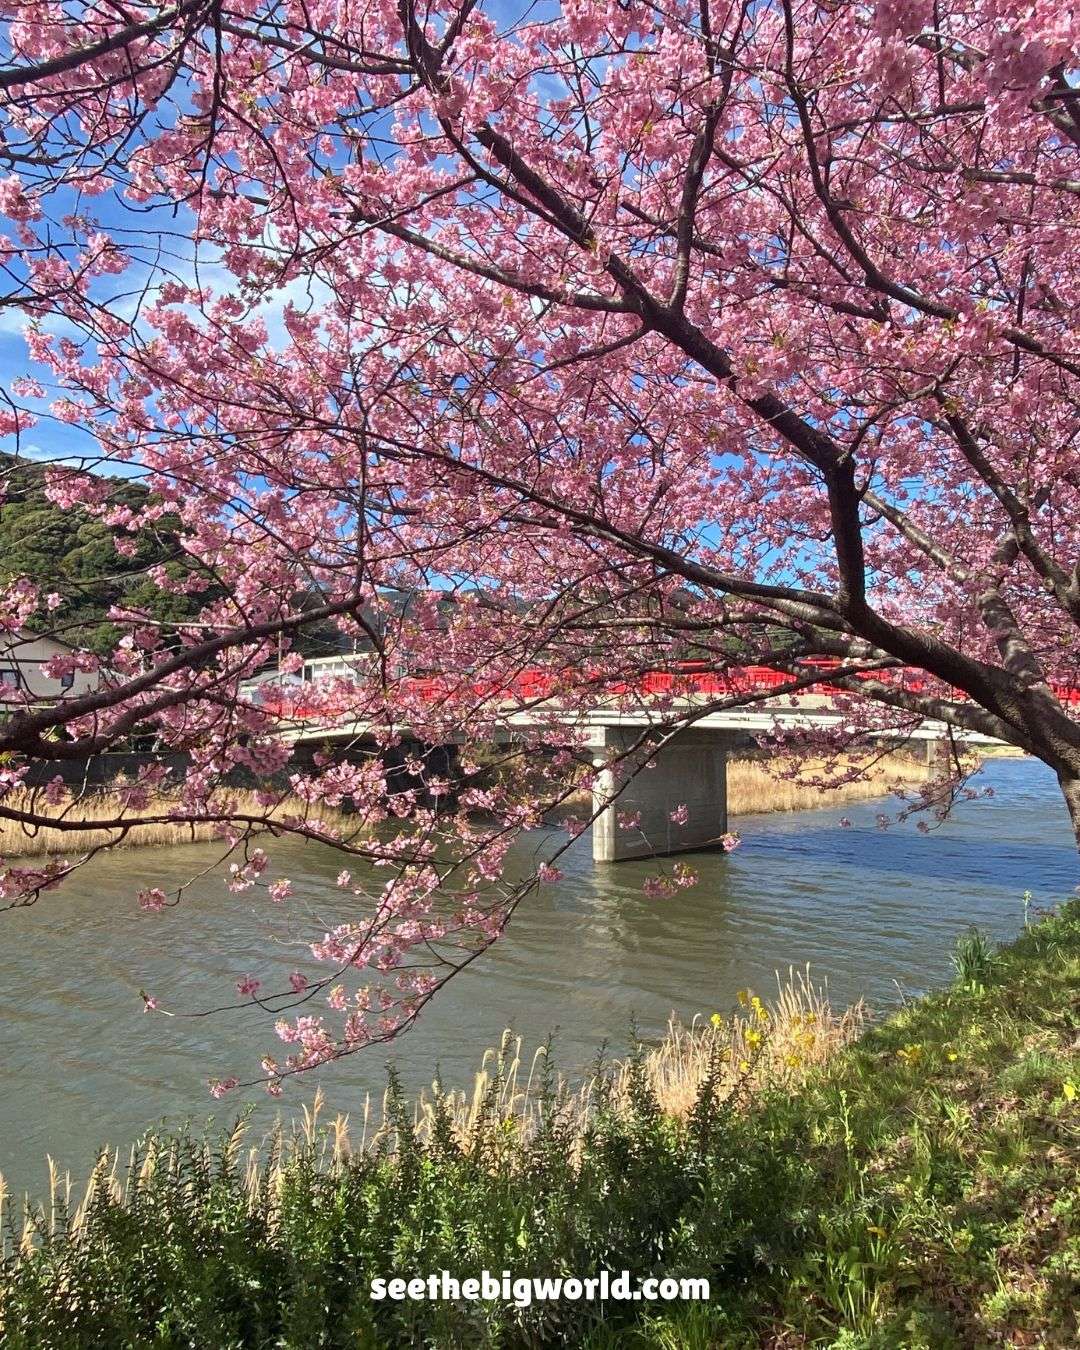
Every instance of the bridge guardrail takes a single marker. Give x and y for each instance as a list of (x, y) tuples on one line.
[(540, 685)]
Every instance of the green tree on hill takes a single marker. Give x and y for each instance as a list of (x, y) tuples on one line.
[(70, 552)]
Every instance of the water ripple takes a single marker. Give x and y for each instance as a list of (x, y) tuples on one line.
[(868, 909)]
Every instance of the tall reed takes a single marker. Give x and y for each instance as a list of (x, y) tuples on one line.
[(19, 841), (754, 786), (761, 1045)]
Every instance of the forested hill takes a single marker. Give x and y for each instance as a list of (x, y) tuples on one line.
[(69, 552)]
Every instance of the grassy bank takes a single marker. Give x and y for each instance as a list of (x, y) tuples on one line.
[(20, 841), (915, 1187), (755, 785), (752, 787)]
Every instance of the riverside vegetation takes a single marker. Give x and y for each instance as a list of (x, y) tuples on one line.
[(912, 1184), (760, 785), (752, 787), (18, 840)]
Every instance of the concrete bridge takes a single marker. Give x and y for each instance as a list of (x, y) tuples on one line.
[(688, 769)]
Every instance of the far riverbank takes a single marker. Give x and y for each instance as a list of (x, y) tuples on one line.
[(760, 786), (755, 787)]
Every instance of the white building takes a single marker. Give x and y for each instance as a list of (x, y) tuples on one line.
[(22, 656)]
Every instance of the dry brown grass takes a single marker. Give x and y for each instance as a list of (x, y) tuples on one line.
[(799, 1031), (18, 840), (765, 1043), (752, 787), (755, 785)]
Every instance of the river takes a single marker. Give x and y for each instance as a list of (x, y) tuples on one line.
[(874, 913)]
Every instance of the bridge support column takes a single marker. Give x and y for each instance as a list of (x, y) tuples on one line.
[(937, 753), (689, 771)]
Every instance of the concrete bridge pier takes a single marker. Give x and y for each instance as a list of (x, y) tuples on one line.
[(937, 752), (689, 771)]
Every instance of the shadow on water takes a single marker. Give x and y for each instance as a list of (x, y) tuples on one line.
[(869, 909)]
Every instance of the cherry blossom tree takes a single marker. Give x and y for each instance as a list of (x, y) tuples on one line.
[(617, 335)]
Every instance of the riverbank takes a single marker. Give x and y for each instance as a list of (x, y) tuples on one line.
[(20, 841), (755, 786), (759, 786), (917, 1188)]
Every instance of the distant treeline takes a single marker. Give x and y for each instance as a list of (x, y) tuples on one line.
[(69, 552)]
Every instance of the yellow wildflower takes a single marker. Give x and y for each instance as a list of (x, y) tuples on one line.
[(743, 995), (716, 1020), (1068, 1090)]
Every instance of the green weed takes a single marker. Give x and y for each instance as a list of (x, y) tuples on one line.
[(917, 1189)]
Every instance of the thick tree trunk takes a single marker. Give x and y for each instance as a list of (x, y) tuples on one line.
[(1070, 790)]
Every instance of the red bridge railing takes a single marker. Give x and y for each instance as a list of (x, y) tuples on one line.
[(531, 686)]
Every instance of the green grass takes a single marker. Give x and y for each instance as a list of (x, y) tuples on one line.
[(938, 1198), (920, 1191)]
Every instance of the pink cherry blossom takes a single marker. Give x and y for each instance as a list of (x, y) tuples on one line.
[(575, 385)]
